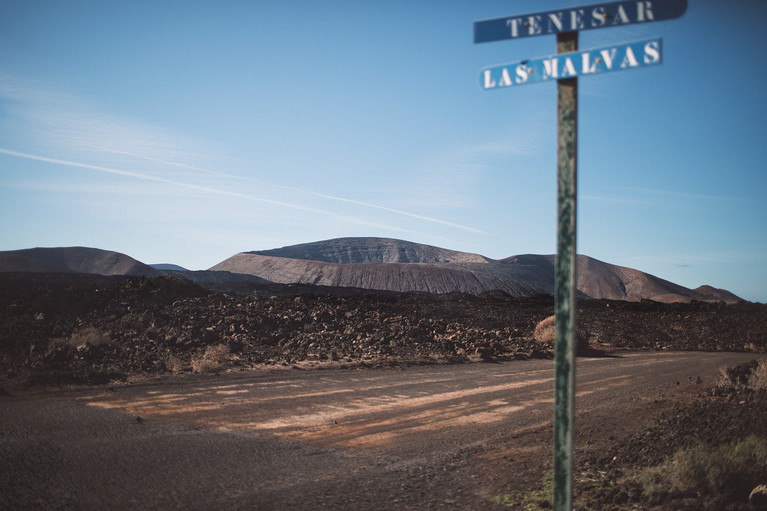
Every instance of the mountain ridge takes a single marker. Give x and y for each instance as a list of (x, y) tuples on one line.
[(381, 264), (370, 250), (519, 275), (74, 260)]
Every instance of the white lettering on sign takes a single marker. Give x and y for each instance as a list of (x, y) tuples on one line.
[(555, 21), (608, 56), (550, 69), (629, 59), (604, 14), (598, 17), (570, 65), (652, 52), (586, 65), (569, 68), (621, 16), (644, 12), (513, 24), (489, 83), (505, 78), (523, 73), (534, 25), (576, 19)]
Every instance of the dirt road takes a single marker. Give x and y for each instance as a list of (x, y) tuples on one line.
[(434, 437)]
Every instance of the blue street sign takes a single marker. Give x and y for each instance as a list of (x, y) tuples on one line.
[(570, 65), (611, 14)]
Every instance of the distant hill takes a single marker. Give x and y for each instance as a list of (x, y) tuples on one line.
[(395, 265), (381, 264), (73, 260), (168, 267), (371, 250), (702, 293), (602, 280), (717, 294), (403, 277)]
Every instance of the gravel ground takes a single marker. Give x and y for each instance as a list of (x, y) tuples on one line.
[(88, 328), (63, 329)]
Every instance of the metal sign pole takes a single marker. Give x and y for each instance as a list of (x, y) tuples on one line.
[(564, 287), (566, 23)]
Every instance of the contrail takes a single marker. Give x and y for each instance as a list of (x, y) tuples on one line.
[(399, 212), (291, 188), (156, 179), (190, 186)]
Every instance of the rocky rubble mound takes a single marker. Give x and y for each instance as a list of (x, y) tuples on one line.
[(96, 328), (696, 326)]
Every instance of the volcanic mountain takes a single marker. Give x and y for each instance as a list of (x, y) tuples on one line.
[(380, 264), (73, 260), (396, 265)]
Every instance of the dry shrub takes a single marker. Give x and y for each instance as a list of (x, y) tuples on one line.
[(759, 376), (545, 333), (214, 359), (750, 375), (90, 335), (706, 474), (174, 364)]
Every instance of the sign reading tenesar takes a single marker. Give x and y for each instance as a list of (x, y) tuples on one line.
[(605, 15)]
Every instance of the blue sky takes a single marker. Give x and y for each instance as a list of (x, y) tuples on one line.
[(188, 131)]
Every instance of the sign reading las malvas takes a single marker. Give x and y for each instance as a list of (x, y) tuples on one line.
[(611, 14), (570, 65)]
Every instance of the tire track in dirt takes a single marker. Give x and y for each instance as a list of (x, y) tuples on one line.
[(378, 408)]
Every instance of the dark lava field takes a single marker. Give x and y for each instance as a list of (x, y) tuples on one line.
[(81, 328)]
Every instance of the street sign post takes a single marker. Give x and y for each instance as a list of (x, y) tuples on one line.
[(565, 281), (565, 67), (605, 15)]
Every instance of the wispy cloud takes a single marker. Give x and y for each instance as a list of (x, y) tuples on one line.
[(452, 177), (403, 213), (654, 196), (78, 135), (693, 259), (199, 188), (157, 179), (674, 194), (65, 124), (529, 134), (310, 192), (623, 200)]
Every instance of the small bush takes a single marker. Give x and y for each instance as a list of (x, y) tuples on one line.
[(90, 335), (759, 376), (545, 333), (214, 359), (724, 470), (538, 498), (711, 475), (174, 364), (751, 375)]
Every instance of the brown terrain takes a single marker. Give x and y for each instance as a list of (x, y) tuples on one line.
[(111, 342), (73, 260), (380, 264), (451, 436), (396, 265)]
